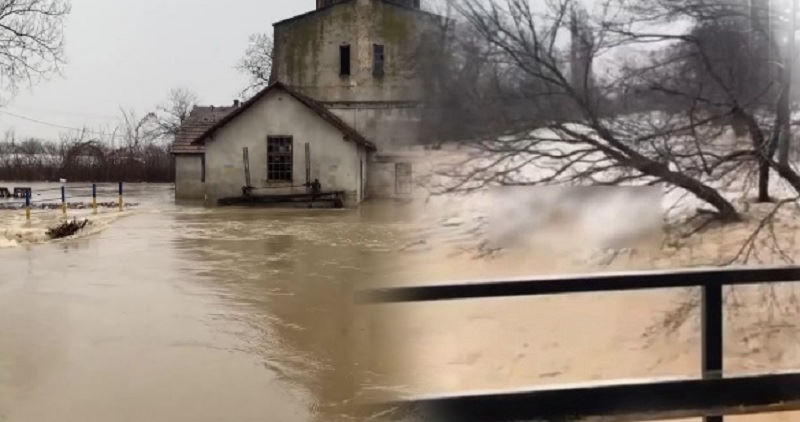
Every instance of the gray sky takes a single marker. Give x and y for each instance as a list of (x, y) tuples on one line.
[(131, 53)]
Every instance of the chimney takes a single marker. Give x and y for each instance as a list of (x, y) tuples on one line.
[(235, 103)]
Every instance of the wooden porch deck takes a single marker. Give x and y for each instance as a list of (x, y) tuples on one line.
[(332, 199)]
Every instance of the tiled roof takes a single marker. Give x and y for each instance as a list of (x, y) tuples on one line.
[(349, 133), (199, 121)]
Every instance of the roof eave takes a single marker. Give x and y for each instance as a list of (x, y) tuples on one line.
[(349, 132), (311, 13), (315, 11), (173, 152), (363, 142)]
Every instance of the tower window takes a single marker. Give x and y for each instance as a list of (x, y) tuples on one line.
[(344, 60), (378, 59)]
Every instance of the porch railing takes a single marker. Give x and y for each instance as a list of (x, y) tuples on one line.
[(711, 396)]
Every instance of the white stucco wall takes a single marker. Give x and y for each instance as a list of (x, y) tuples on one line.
[(334, 160), (188, 177)]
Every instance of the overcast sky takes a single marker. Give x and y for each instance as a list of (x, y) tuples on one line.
[(131, 53)]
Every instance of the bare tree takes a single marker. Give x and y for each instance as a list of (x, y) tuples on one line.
[(137, 132), (31, 40), (734, 59), (171, 114), (257, 62), (585, 142), (723, 68), (669, 80), (469, 92)]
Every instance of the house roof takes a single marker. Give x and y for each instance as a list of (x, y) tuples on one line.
[(314, 12), (315, 106), (196, 124)]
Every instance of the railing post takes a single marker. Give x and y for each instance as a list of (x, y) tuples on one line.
[(28, 205), (121, 206), (64, 200), (94, 197), (712, 335)]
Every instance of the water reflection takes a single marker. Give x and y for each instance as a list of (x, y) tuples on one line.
[(290, 277)]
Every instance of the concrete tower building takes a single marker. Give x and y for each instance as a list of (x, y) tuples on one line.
[(350, 63)]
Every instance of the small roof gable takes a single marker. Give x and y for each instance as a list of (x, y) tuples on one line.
[(349, 133), (200, 119)]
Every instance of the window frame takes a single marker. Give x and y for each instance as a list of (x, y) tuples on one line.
[(286, 173), (345, 66), (378, 60)]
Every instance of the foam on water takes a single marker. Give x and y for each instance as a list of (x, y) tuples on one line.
[(15, 231)]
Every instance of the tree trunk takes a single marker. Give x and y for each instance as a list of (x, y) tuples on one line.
[(784, 110), (764, 147), (763, 180), (726, 210), (767, 148)]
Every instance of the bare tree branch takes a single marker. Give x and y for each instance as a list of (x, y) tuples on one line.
[(31, 40), (257, 62)]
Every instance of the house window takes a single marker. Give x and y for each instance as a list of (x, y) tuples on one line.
[(377, 59), (202, 168), (344, 60), (279, 159)]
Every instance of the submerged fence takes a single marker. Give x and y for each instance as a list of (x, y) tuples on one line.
[(711, 396), (39, 201)]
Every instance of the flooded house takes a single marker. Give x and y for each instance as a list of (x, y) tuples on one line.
[(342, 110)]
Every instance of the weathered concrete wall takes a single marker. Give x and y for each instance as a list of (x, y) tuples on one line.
[(386, 109), (383, 177), (307, 52), (188, 177), (382, 180), (388, 126), (334, 161)]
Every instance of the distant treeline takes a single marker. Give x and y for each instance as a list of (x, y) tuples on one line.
[(84, 160), (135, 149)]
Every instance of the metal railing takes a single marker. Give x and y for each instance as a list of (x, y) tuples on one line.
[(710, 397), (29, 198)]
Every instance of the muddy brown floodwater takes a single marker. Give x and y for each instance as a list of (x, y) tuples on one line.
[(182, 313), (496, 344), (175, 312)]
